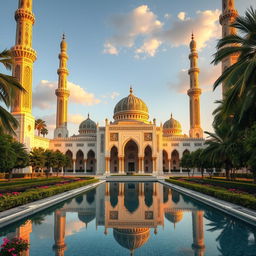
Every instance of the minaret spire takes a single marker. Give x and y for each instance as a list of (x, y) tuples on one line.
[(62, 93), (24, 58), (228, 16), (194, 93)]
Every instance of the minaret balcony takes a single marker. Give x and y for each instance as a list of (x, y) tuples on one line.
[(62, 71), (193, 70), (23, 51), (62, 92), (228, 15), (194, 92), (24, 14)]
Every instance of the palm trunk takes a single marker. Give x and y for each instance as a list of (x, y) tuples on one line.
[(227, 174)]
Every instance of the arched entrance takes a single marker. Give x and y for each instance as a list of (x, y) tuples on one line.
[(114, 160), (175, 160), (131, 157), (79, 161), (148, 164), (165, 162), (69, 154), (185, 152), (91, 161)]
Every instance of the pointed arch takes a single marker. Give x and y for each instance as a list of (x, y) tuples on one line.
[(175, 160), (148, 161), (131, 156), (165, 161), (91, 161), (114, 159), (80, 160), (186, 151), (69, 154)]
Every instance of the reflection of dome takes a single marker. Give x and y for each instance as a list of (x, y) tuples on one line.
[(131, 108), (132, 238), (172, 127), (174, 217), (86, 217), (87, 126)]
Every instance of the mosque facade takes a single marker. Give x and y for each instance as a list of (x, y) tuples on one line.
[(128, 143)]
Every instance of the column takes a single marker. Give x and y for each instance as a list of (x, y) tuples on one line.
[(180, 169), (120, 159), (74, 165), (59, 233), (85, 165), (154, 164), (142, 165), (169, 163), (107, 165), (198, 233)]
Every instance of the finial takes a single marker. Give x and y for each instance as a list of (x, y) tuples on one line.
[(192, 36), (131, 90), (88, 115), (171, 115), (63, 36)]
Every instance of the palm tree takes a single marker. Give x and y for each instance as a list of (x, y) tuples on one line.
[(44, 131), (39, 125), (240, 78), (9, 87)]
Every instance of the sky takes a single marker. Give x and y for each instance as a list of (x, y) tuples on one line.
[(114, 44)]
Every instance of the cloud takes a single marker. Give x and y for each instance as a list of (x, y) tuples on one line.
[(207, 77), (205, 27), (75, 118), (44, 95), (142, 25), (182, 16), (140, 21)]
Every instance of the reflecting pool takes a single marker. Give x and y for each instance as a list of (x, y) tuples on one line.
[(133, 219)]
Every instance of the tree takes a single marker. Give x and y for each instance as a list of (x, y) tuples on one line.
[(37, 159), (60, 160), (250, 146), (39, 125), (13, 154), (240, 78), (44, 131), (9, 87)]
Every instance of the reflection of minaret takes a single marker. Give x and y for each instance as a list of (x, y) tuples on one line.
[(24, 58), (228, 16), (24, 233), (59, 233), (198, 233), (194, 93), (62, 93)]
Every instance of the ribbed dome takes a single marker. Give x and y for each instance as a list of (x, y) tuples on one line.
[(132, 238), (172, 127), (131, 108), (87, 126)]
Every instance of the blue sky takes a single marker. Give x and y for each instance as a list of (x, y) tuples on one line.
[(114, 44)]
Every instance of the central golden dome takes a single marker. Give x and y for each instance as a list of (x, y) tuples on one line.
[(131, 108)]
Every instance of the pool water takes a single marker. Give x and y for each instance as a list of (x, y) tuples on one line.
[(133, 219)]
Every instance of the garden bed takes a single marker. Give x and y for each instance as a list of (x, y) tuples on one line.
[(13, 199), (232, 196)]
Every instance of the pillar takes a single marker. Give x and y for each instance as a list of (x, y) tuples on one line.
[(169, 164), (154, 164), (107, 165), (85, 165), (74, 165), (142, 165), (198, 233), (59, 233)]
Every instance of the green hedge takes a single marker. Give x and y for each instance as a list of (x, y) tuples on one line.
[(237, 175), (37, 194), (246, 187), (245, 200)]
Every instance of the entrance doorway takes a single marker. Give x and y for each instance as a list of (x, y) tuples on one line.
[(131, 157)]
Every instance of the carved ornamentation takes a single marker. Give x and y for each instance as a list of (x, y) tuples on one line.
[(113, 136), (148, 136)]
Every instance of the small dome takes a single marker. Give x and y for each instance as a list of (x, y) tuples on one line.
[(172, 127), (132, 238), (86, 217), (87, 126), (174, 217), (131, 108), (63, 44), (192, 43)]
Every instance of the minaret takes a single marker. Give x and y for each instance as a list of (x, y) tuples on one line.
[(228, 16), (194, 93), (198, 233), (62, 94), (24, 58)]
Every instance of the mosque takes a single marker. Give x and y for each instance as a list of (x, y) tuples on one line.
[(131, 142)]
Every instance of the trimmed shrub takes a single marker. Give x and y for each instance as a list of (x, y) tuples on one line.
[(31, 195), (245, 200)]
